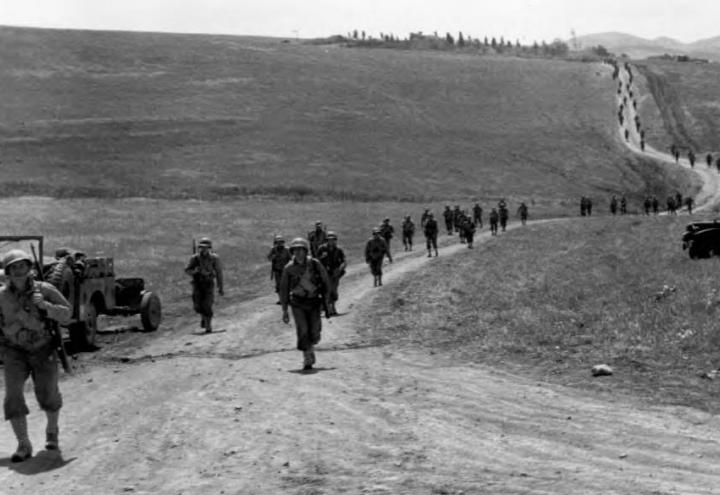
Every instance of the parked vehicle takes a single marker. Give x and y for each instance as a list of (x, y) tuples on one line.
[(702, 239), (91, 288)]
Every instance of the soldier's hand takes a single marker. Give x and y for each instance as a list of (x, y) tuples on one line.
[(38, 300), (285, 317)]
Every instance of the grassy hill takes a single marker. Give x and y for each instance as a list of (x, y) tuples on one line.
[(686, 96), (173, 116)]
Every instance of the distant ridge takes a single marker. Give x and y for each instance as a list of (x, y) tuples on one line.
[(637, 47)]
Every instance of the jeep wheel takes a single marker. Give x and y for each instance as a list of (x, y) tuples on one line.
[(150, 312), (82, 333)]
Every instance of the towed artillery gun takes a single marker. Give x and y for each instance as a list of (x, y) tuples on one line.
[(91, 288)]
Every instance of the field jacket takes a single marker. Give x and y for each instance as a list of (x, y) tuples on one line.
[(22, 323), (205, 269)]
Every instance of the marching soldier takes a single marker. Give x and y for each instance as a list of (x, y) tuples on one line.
[(504, 215), (431, 232), (647, 204), (279, 257), (424, 217), (375, 251), (408, 231), (205, 269), (303, 285), (468, 229), (387, 231), (448, 216), (623, 205), (613, 205), (317, 238), (523, 212), (494, 218), (477, 215), (27, 349), (333, 259)]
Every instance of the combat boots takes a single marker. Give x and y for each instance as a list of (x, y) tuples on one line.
[(52, 431), (208, 324), (24, 448)]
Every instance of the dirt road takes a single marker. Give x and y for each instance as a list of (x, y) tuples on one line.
[(231, 413)]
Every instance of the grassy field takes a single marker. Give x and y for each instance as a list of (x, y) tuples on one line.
[(685, 97), (100, 114), (560, 298)]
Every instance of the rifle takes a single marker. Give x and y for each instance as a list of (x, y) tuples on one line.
[(51, 325)]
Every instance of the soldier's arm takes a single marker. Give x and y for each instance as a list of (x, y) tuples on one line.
[(56, 306), (284, 293), (191, 266)]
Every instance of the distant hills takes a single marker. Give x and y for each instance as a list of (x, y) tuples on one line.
[(637, 47)]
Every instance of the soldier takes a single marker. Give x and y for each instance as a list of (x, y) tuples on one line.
[(448, 216), (494, 217), (468, 228), (583, 206), (333, 259), (205, 268), (408, 231), (317, 238), (671, 205), (523, 212), (303, 286), (504, 214), (279, 257), (689, 203), (27, 349), (623, 205), (613, 205), (588, 206), (655, 205), (387, 231), (457, 218), (375, 251), (678, 200), (431, 232), (709, 159), (424, 218), (477, 215), (691, 158)]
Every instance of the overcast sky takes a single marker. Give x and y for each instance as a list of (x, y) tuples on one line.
[(527, 20)]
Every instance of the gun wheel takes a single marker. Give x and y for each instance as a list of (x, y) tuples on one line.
[(150, 311)]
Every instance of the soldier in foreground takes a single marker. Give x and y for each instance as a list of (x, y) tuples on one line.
[(303, 285), (408, 231), (27, 349), (205, 268), (278, 257), (375, 251), (333, 259), (431, 233)]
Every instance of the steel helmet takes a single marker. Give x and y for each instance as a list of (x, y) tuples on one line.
[(299, 242), (278, 238), (205, 242), (376, 230), (13, 256), (331, 235)]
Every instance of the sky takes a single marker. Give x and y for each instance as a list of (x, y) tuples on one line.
[(524, 20)]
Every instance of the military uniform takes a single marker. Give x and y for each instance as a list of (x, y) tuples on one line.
[(333, 259), (387, 231), (303, 285), (205, 269), (278, 257), (27, 350), (375, 251), (448, 216), (408, 231), (523, 213), (431, 233), (477, 215), (468, 229), (316, 238), (494, 218), (504, 214)]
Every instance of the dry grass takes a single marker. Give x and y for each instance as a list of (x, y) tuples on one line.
[(686, 95), (565, 296), (100, 114)]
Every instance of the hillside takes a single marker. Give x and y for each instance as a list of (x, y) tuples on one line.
[(686, 96), (639, 48), (174, 116)]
